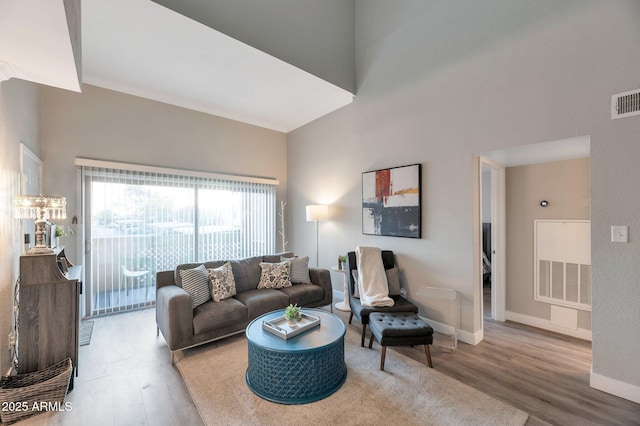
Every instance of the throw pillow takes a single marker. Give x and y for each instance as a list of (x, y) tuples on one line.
[(299, 269), (274, 275), (356, 285), (393, 280), (196, 282), (223, 286)]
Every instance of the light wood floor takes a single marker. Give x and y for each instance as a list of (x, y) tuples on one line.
[(543, 373), (126, 377)]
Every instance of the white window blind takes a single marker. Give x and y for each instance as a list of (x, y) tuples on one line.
[(139, 222)]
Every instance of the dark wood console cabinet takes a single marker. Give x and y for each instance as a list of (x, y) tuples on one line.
[(48, 311)]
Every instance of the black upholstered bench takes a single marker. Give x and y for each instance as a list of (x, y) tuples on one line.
[(400, 329)]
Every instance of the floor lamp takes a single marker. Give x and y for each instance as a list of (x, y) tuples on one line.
[(317, 213)]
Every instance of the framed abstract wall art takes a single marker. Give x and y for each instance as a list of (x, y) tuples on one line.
[(391, 202)]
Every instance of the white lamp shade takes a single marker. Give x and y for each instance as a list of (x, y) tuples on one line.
[(317, 212)]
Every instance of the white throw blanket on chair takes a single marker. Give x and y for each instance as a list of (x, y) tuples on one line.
[(372, 279)]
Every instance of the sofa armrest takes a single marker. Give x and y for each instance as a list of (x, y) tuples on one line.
[(174, 315), (164, 278), (322, 278)]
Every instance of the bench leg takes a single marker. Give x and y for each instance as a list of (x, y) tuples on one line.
[(428, 352), (383, 353), (371, 341)]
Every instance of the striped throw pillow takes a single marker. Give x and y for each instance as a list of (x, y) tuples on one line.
[(299, 269), (196, 282)]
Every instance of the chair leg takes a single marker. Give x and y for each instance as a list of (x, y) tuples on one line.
[(428, 352), (350, 317), (383, 353), (364, 331), (371, 341)]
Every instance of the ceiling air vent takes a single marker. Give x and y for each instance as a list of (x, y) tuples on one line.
[(625, 104)]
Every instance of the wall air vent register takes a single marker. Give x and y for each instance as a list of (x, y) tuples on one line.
[(625, 104)]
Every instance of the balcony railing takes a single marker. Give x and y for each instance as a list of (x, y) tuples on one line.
[(123, 267)]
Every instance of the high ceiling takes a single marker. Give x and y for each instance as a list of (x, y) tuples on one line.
[(35, 43), (144, 49)]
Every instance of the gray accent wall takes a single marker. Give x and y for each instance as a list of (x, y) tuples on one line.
[(19, 123), (566, 186), (317, 36), (106, 125), (441, 82)]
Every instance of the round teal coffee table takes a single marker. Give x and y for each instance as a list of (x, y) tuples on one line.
[(302, 369)]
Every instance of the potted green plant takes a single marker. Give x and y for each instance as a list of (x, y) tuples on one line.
[(342, 262), (60, 231), (293, 315)]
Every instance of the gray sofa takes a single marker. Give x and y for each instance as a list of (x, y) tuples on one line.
[(182, 326)]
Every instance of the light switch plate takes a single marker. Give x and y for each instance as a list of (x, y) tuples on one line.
[(619, 234)]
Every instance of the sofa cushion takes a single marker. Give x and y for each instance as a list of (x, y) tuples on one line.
[(303, 294), (223, 286), (211, 315), (246, 273), (275, 258), (299, 269), (196, 282), (274, 275), (262, 300)]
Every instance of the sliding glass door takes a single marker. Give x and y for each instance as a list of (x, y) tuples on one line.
[(139, 223)]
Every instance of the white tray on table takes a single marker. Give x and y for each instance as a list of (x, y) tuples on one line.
[(281, 328)]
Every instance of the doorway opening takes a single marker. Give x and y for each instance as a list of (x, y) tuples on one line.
[(492, 252), (544, 175)]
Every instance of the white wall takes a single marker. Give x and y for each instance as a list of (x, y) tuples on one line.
[(440, 82), (19, 123), (108, 125)]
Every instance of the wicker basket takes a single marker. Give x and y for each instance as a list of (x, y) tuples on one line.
[(19, 393)]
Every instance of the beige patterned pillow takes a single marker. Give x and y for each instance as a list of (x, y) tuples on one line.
[(223, 285), (274, 275)]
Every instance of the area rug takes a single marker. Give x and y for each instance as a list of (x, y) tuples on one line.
[(406, 393), (86, 330)]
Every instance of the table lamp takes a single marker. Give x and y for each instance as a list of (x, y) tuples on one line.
[(41, 208)]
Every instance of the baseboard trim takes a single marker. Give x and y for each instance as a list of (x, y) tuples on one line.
[(471, 338), (615, 387), (462, 335), (580, 333)]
